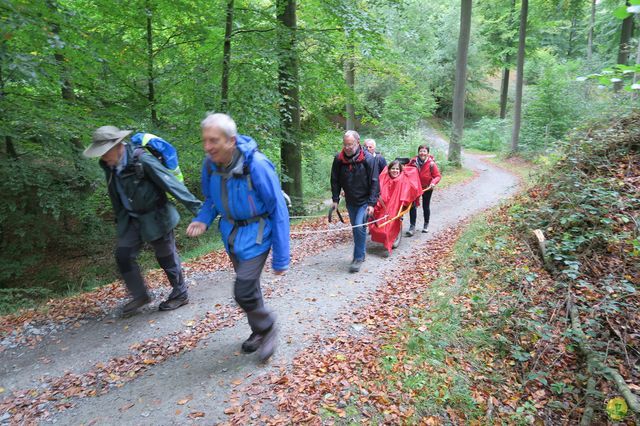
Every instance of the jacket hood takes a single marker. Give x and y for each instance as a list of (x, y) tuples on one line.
[(247, 146)]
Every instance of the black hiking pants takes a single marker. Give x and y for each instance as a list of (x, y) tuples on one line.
[(426, 209), (127, 251)]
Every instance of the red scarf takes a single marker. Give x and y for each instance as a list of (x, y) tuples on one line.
[(357, 158)]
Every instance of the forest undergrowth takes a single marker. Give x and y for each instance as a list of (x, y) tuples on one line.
[(538, 332)]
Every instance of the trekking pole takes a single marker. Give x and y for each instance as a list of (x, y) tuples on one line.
[(330, 214)]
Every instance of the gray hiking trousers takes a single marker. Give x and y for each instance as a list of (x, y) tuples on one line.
[(248, 294)]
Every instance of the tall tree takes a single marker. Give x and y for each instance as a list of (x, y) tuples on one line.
[(626, 32), (66, 87), (288, 86), (350, 79), (592, 23), (517, 113), (226, 58), (461, 78), (8, 141), (504, 86), (151, 88)]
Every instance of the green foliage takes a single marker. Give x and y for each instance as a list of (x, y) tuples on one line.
[(47, 208), (487, 134), (622, 75), (67, 67), (551, 106), (12, 299)]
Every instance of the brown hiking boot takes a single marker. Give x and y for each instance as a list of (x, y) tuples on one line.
[(134, 305)]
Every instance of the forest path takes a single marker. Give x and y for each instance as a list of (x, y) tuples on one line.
[(191, 357)]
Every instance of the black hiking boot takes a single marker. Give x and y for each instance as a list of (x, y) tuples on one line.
[(174, 302), (252, 343), (268, 346), (425, 228)]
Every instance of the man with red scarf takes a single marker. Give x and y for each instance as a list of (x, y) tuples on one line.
[(355, 171)]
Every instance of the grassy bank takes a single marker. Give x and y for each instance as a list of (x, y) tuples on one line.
[(497, 343)]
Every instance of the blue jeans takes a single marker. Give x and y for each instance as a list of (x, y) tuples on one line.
[(357, 216)]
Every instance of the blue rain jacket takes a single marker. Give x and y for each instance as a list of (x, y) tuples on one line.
[(265, 197)]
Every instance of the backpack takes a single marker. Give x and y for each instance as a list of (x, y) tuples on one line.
[(159, 148)]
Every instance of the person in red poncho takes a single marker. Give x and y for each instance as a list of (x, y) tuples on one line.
[(399, 187), (429, 178)]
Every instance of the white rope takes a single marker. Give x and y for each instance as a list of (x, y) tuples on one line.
[(342, 228)]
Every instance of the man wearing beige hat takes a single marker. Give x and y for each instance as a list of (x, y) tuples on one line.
[(138, 184)]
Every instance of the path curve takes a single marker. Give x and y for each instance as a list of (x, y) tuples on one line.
[(204, 377)]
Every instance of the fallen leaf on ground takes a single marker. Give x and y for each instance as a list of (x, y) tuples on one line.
[(126, 407), (184, 401)]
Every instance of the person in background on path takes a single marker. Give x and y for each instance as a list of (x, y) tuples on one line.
[(138, 184), (356, 172), (240, 184), (370, 144), (399, 187), (429, 178)]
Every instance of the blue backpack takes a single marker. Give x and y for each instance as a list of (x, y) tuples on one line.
[(159, 148)]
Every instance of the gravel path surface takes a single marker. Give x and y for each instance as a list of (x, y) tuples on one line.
[(202, 379)]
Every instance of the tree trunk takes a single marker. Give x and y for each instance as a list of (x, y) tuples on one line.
[(10, 148), (288, 86), (226, 59), (350, 78), (636, 76), (66, 88), (626, 32), (572, 32), (504, 88), (517, 114), (461, 78), (504, 92), (151, 92), (592, 23)]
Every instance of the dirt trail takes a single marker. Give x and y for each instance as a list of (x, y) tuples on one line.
[(203, 377)]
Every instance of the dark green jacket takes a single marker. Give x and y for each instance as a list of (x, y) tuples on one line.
[(147, 196)]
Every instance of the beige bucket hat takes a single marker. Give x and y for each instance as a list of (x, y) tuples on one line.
[(105, 138)]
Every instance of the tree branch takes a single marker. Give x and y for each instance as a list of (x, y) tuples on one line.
[(596, 364), (255, 30)]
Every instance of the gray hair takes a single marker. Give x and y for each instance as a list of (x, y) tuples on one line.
[(353, 134), (220, 121), (373, 141)]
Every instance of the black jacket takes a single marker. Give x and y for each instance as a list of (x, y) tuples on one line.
[(358, 179), (382, 163)]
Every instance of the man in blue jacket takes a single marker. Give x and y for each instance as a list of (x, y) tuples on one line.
[(240, 184)]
